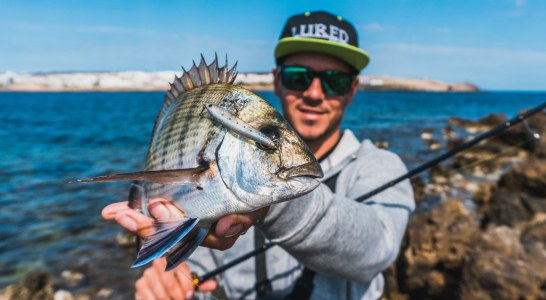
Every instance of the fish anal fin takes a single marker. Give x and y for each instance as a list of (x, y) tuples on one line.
[(169, 233), (181, 251)]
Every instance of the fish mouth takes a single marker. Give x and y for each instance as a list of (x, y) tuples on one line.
[(310, 169)]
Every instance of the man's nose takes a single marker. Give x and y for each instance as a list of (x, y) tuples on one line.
[(314, 91)]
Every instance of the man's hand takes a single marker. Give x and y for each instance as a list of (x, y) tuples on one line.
[(155, 283), (222, 234), (225, 232)]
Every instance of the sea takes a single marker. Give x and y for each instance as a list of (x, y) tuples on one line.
[(50, 138)]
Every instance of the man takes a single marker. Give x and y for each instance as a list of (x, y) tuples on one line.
[(331, 246)]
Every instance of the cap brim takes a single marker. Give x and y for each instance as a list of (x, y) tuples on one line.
[(352, 55)]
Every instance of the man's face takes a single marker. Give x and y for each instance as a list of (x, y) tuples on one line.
[(313, 113)]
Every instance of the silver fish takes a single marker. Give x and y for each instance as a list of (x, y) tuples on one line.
[(216, 149)]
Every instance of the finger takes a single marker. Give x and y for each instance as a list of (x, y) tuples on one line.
[(135, 222), (143, 290), (208, 286), (170, 282), (234, 224), (154, 278), (163, 209), (225, 232), (109, 212), (185, 280), (220, 243)]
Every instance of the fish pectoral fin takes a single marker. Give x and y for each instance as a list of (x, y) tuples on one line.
[(232, 122), (169, 233), (177, 177), (181, 251)]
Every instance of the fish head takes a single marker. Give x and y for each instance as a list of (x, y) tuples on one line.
[(259, 175)]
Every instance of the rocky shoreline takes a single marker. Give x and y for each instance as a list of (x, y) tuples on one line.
[(479, 230), (480, 227), (158, 81)]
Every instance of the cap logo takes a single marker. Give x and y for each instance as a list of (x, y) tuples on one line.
[(321, 31)]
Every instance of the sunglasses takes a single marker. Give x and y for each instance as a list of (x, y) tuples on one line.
[(334, 83)]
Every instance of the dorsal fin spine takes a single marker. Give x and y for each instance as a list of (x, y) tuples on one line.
[(202, 74), (177, 85)]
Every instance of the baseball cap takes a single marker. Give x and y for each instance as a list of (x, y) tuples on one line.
[(321, 32)]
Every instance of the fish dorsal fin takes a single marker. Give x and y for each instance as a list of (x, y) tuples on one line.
[(203, 74), (200, 75)]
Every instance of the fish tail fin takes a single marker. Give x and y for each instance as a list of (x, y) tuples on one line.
[(180, 252), (168, 234)]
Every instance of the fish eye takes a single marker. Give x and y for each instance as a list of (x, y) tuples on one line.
[(271, 132)]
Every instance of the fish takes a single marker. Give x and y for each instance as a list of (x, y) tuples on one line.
[(216, 149)]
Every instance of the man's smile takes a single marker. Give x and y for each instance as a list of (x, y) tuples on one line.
[(311, 112)]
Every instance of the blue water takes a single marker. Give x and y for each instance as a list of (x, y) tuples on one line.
[(47, 139)]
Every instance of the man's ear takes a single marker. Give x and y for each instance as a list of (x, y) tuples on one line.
[(354, 88), (276, 82)]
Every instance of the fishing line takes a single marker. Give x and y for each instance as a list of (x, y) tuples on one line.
[(502, 127), (195, 281), (476, 163), (534, 136)]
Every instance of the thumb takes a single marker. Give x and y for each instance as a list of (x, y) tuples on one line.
[(208, 286)]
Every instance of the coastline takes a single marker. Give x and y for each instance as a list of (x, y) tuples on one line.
[(159, 81)]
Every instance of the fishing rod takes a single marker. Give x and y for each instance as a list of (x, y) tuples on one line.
[(500, 128)]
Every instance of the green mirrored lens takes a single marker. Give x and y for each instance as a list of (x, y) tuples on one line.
[(336, 83), (296, 78), (333, 83)]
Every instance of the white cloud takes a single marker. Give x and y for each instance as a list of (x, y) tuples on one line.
[(101, 29), (497, 54), (374, 27), (520, 3)]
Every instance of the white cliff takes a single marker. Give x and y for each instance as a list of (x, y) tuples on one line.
[(139, 80)]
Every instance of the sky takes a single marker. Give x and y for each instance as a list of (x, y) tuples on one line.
[(495, 44)]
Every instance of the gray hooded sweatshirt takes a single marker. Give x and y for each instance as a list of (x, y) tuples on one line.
[(347, 243)]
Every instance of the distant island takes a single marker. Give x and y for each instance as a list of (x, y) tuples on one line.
[(159, 81)]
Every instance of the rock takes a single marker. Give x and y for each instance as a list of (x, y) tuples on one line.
[(449, 133), (529, 177), (490, 276), (426, 134), (392, 290), (452, 144), (388, 83), (486, 160), (480, 125), (435, 248), (520, 135), (383, 144), (63, 295), (506, 208), (439, 174), (104, 293), (418, 185), (72, 278), (499, 267), (463, 87), (35, 286), (433, 145), (482, 197), (439, 179), (126, 239), (535, 232)]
